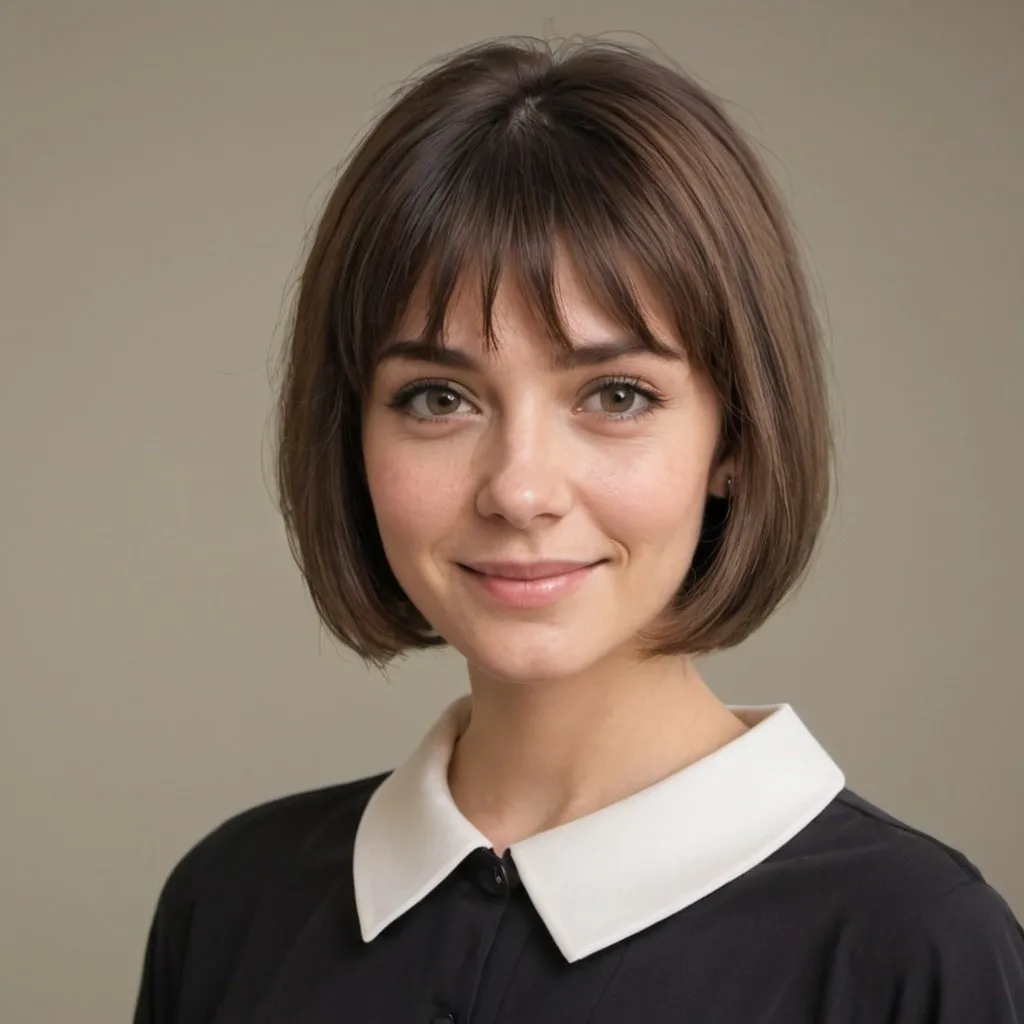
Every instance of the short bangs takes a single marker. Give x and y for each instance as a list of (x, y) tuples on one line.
[(491, 165)]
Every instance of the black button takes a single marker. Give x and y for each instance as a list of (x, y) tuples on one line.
[(492, 878), (497, 876)]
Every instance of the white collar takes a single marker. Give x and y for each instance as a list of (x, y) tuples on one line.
[(648, 855)]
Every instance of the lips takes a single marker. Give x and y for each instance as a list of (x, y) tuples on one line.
[(528, 570), (528, 585)]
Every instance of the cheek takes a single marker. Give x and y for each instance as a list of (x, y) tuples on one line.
[(414, 493), (654, 498)]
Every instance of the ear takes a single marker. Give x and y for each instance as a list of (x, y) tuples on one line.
[(722, 480)]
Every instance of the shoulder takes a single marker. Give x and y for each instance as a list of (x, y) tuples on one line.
[(866, 874), (888, 856), (958, 957), (855, 847), (281, 856), (277, 834), (919, 933)]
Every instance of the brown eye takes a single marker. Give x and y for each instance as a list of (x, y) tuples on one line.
[(441, 401), (617, 398), (622, 400), (425, 400)]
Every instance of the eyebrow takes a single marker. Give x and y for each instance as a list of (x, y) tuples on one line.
[(591, 354)]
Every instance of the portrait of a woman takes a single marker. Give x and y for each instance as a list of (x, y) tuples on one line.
[(555, 396)]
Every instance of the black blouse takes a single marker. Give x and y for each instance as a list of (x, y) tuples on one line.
[(372, 902)]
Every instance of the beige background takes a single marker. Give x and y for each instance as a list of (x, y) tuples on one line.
[(160, 665)]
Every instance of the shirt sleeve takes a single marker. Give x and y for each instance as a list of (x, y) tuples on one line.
[(960, 962)]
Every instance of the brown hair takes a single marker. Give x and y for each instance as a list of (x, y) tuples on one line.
[(491, 159)]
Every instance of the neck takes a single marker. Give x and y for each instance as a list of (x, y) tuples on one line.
[(536, 755)]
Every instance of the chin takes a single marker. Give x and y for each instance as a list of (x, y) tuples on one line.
[(531, 652)]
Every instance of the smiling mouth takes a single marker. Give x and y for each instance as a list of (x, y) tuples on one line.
[(527, 571), (542, 585)]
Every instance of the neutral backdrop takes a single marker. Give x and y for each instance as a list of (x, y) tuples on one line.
[(160, 663)]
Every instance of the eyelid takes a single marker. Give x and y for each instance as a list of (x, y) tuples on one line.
[(425, 384), (637, 383)]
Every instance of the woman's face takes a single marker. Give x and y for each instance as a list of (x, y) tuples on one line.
[(510, 458)]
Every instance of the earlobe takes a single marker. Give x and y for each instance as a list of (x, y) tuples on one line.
[(723, 492), (722, 484)]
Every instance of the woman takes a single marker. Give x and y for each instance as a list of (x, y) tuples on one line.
[(554, 396)]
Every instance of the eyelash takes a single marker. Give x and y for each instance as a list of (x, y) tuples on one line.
[(655, 401)]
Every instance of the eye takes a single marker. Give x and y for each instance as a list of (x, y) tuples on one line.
[(429, 400), (622, 399)]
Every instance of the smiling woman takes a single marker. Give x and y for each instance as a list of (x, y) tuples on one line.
[(554, 397), (580, 473), (620, 178)]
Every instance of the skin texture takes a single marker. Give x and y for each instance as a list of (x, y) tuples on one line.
[(523, 460)]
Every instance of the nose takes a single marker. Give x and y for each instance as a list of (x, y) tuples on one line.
[(524, 472)]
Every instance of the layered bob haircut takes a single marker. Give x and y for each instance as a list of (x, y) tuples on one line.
[(482, 166)]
